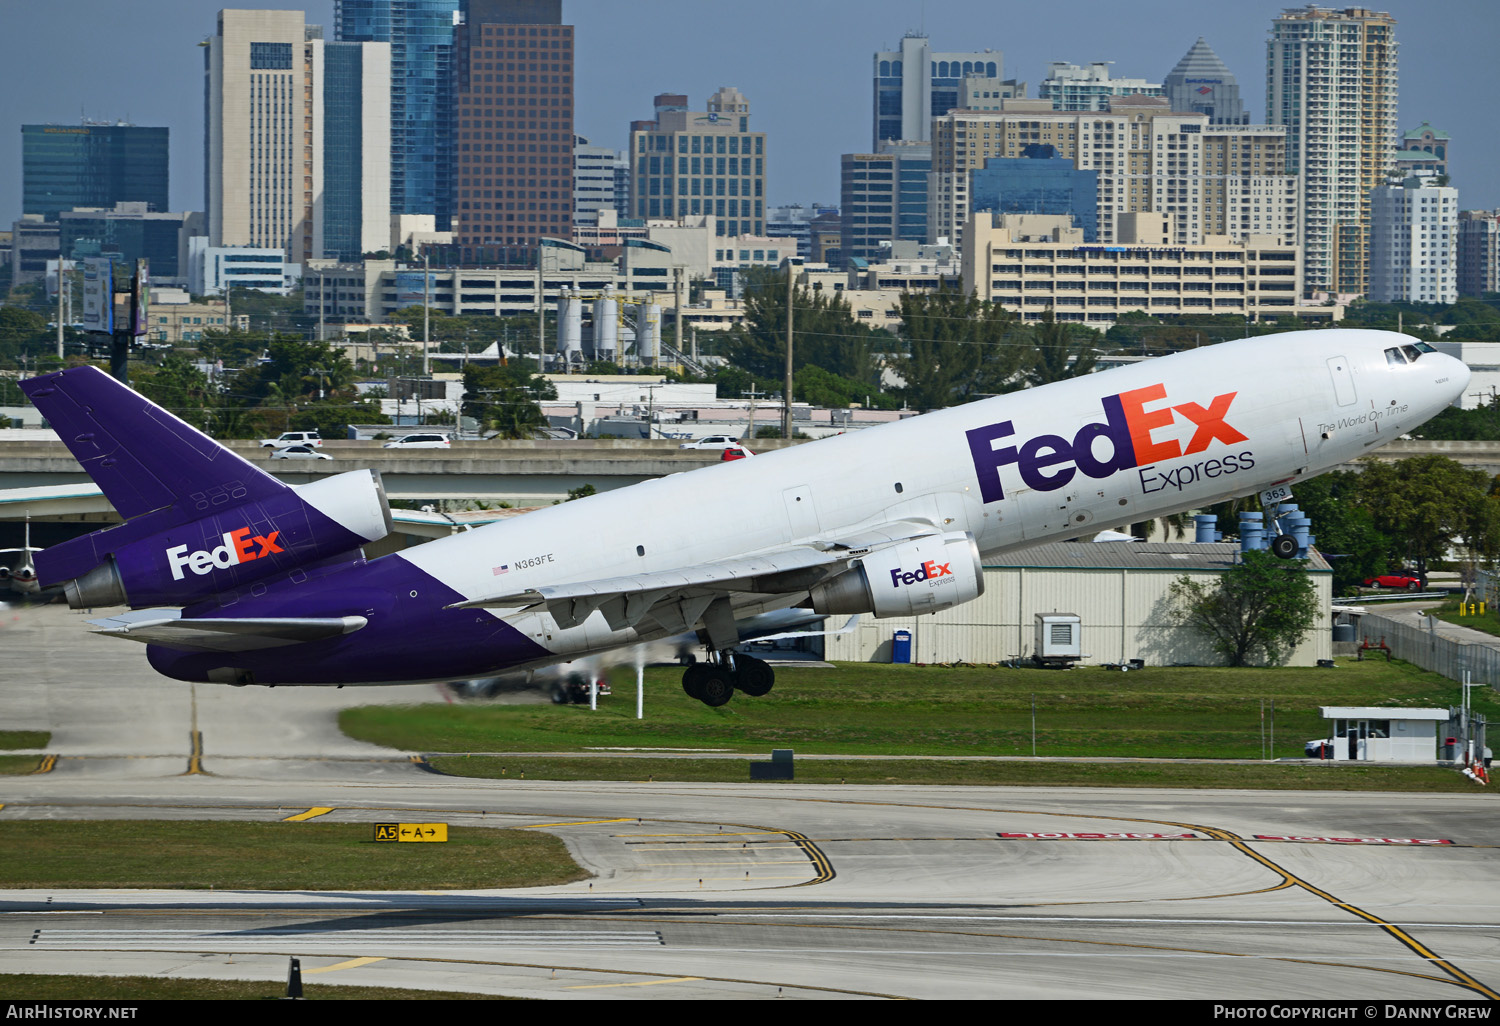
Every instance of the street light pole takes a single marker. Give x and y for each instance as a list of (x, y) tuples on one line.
[(786, 401)]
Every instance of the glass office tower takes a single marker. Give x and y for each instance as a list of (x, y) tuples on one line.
[(421, 36), (67, 166), (1039, 183)]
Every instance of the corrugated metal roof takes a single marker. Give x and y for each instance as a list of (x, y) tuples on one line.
[(1132, 556)]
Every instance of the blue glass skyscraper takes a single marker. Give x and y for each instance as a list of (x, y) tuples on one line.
[(1039, 183), (421, 36)]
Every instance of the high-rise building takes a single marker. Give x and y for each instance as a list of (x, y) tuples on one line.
[(296, 140), (915, 84), (356, 131), (513, 105), (263, 161), (1331, 80), (1071, 87), (1207, 179), (127, 231), (1414, 242), (1478, 252), (421, 117), (1038, 182), (687, 163), (92, 165), (883, 199), (1202, 83)]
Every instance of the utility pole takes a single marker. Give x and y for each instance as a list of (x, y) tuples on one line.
[(677, 311), (426, 317), (61, 280), (786, 402), (752, 395)]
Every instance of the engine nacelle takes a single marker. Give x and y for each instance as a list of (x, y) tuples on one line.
[(919, 576), (229, 548)]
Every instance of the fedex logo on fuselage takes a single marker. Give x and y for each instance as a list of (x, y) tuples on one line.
[(928, 571), (239, 547), (1048, 462)]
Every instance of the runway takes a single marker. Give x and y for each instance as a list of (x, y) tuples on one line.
[(740, 891)]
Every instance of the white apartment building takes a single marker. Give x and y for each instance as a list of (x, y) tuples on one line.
[(1331, 81), (1072, 87), (1414, 242), (212, 269), (1030, 263), (599, 173), (1209, 179)]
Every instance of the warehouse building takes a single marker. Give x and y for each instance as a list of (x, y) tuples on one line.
[(1120, 590)]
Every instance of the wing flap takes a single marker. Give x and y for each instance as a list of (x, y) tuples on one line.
[(679, 596), (227, 634)]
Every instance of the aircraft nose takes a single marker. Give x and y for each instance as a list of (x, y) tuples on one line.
[(1458, 377)]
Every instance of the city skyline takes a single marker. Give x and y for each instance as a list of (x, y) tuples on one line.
[(805, 70)]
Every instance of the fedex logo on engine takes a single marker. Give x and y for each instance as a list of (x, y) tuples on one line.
[(239, 547), (1048, 462), (928, 571)]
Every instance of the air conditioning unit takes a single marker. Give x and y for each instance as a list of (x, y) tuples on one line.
[(1059, 640)]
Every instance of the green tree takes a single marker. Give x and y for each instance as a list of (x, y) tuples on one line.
[(1345, 528), (506, 399), (1060, 351), (1425, 504), (1259, 610), (958, 349), (825, 332)]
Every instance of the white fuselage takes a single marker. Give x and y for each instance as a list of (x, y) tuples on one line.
[(1014, 471)]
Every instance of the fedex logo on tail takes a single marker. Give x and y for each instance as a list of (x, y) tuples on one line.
[(928, 571), (239, 547), (1048, 462)]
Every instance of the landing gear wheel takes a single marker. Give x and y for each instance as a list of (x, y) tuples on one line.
[(715, 687), (692, 678), (1284, 546), (755, 677)]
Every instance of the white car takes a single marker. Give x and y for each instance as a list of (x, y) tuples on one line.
[(302, 451), (421, 441), (287, 438), (712, 442)]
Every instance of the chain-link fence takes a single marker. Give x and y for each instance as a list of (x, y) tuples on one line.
[(1431, 648)]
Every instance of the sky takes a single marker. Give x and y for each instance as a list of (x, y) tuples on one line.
[(804, 65)]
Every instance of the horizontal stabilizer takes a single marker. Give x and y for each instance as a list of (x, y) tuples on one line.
[(168, 628)]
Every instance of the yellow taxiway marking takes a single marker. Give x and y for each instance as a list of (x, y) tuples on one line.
[(353, 963), (586, 822), (643, 983), (46, 765), (717, 847), (309, 814), (721, 833)]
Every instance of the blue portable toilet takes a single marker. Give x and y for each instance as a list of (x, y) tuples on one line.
[(901, 647)]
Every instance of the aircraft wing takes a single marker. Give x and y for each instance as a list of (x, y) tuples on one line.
[(681, 595), (168, 627)]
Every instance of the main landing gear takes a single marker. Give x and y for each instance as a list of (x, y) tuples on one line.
[(714, 683)]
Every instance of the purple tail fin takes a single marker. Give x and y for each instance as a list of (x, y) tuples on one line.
[(142, 457), (199, 520)]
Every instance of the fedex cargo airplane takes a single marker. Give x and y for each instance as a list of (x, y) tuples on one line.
[(233, 577)]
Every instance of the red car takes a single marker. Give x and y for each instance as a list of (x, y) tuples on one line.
[(1394, 581)]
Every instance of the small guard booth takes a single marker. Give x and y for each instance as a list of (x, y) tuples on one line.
[(1384, 735)]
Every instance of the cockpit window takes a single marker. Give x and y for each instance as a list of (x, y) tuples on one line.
[(1412, 353), (1395, 358), (1423, 347)]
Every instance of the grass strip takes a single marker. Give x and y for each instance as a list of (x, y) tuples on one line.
[(200, 855), (19, 765), (871, 709), (10, 739), (1206, 776), (26, 987)]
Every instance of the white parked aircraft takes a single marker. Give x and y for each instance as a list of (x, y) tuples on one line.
[(266, 583), (20, 574)]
